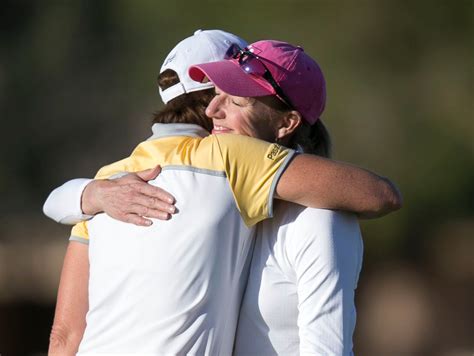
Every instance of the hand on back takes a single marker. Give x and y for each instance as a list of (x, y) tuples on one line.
[(129, 198)]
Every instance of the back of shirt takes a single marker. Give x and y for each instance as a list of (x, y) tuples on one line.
[(176, 287)]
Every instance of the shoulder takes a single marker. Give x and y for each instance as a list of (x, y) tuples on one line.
[(302, 226), (310, 219), (228, 139), (245, 145), (320, 218), (325, 237)]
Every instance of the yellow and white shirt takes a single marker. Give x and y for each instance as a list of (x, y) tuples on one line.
[(176, 287)]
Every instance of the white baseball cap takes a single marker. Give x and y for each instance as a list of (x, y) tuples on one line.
[(202, 47)]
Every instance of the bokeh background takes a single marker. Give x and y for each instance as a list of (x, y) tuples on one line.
[(77, 89)]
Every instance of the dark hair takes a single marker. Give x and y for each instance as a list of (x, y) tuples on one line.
[(189, 108), (313, 139)]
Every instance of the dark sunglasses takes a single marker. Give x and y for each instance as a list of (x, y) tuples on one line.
[(252, 64)]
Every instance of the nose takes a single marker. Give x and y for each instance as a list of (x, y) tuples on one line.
[(214, 109)]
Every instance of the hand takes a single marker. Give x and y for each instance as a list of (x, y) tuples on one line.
[(129, 198)]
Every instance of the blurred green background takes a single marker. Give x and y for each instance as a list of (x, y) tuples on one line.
[(77, 89)]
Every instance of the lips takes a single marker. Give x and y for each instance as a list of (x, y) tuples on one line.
[(220, 129)]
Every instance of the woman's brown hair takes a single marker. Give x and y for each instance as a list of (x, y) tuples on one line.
[(189, 108), (313, 139)]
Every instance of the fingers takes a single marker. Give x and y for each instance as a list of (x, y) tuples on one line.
[(156, 192), (137, 183), (159, 212), (145, 204), (137, 220), (155, 204), (141, 220), (133, 200)]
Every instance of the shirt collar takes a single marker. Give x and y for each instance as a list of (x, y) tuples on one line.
[(167, 130)]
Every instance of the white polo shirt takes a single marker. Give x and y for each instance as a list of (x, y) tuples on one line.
[(300, 294), (176, 287)]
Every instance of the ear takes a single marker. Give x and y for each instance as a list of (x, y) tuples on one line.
[(288, 124)]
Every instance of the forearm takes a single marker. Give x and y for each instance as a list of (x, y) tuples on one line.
[(72, 303), (62, 345), (63, 204), (386, 199), (322, 183)]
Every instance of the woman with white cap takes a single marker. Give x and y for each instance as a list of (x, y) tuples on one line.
[(300, 294), (251, 126)]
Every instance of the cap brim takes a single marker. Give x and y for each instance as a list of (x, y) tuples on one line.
[(229, 77)]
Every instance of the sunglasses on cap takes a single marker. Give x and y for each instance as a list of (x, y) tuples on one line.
[(252, 64)]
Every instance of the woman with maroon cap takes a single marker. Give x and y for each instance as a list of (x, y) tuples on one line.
[(306, 262)]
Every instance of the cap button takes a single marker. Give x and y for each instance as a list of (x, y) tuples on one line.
[(197, 32)]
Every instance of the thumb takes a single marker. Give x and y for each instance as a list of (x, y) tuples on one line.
[(149, 174)]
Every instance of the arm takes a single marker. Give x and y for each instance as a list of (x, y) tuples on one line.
[(128, 198), (322, 183), (259, 171), (72, 304), (326, 254)]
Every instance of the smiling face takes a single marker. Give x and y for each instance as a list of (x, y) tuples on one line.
[(242, 116)]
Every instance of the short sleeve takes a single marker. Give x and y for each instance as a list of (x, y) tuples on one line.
[(80, 233), (139, 159), (253, 168)]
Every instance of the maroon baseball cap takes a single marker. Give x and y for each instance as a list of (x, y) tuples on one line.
[(295, 78)]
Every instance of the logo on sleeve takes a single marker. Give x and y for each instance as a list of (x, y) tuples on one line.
[(276, 149)]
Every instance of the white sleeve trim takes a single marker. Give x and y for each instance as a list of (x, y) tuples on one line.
[(64, 203)]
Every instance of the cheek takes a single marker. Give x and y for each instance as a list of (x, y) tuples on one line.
[(260, 127), (245, 129), (245, 125), (236, 121)]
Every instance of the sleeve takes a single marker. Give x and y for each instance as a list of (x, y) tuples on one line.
[(145, 155), (326, 258), (80, 233), (63, 204), (253, 168)]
